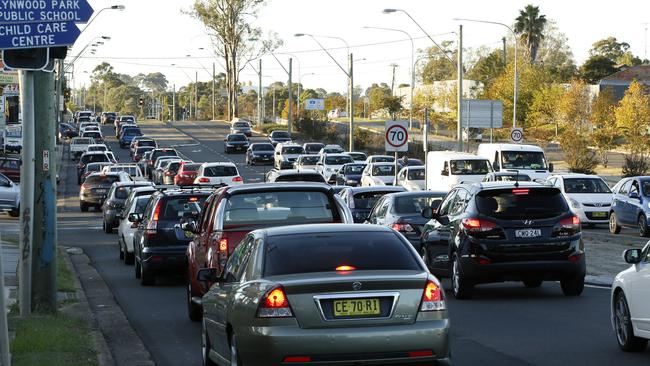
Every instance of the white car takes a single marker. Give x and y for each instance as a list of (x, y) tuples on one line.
[(413, 178), (588, 196), (630, 299), (215, 174), (136, 203), (380, 159), (97, 147), (329, 164), (131, 169), (378, 174), (79, 145), (306, 162), (331, 149), (286, 153), (357, 156)]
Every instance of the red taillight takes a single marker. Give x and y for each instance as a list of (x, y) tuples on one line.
[(403, 227), (574, 258), (483, 261), (168, 173), (345, 268), (520, 191), (223, 245), (204, 180), (84, 186), (297, 359), (570, 221), (427, 353), (152, 224), (237, 179), (473, 224), (432, 298), (275, 305)]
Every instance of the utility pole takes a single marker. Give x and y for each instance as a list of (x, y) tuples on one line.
[(174, 103), (392, 83), (351, 92), (274, 120), (459, 132), (260, 118), (290, 115), (196, 95), (190, 97), (645, 42), (214, 105), (505, 51)]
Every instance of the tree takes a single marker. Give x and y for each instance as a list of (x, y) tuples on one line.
[(633, 116), (596, 68), (542, 120), (604, 121), (555, 55), (439, 66), (487, 68), (617, 52), (529, 25)]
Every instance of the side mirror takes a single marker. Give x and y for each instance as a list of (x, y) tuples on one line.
[(208, 275), (550, 167), (444, 173), (429, 213), (496, 168), (319, 163), (633, 195), (632, 256), (135, 217)]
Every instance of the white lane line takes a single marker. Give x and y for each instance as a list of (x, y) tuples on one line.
[(79, 227)]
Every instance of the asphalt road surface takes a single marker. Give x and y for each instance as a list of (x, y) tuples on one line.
[(504, 324)]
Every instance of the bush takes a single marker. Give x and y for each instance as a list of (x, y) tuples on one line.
[(635, 165), (577, 154), (267, 128)]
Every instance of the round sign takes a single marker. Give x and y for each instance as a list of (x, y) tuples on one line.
[(516, 135), (397, 136)]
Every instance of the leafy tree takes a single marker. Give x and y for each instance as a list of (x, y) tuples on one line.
[(632, 117), (596, 67), (439, 66), (603, 119), (529, 25), (610, 48), (542, 119), (335, 101), (487, 68), (555, 55)]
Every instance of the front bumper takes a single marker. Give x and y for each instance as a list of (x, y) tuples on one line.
[(593, 215), (92, 199), (379, 345)]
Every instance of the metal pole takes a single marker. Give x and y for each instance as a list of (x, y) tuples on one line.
[(459, 133), (290, 115), (260, 118), (214, 105), (5, 352), (351, 109), (395, 169), (505, 51), (516, 93), (26, 193), (190, 97), (425, 135), (196, 95), (174, 104), (298, 97)]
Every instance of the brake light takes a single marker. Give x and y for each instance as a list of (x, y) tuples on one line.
[(477, 225), (193, 199), (574, 258), (297, 359), (345, 268), (204, 180), (152, 225), (570, 221), (237, 179), (84, 187), (432, 298), (223, 245), (520, 191), (567, 226), (403, 227), (275, 305), (427, 353)]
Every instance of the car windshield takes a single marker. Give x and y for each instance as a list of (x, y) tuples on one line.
[(309, 160), (83, 141), (585, 185), (220, 171), (513, 203), (364, 251), (354, 169), (523, 160), (280, 134), (383, 159), (301, 178), (416, 174), (101, 180), (365, 200), (293, 150), (236, 138), (191, 167), (175, 207), (511, 178), (241, 124), (414, 204), (469, 167), (383, 170), (143, 143), (280, 208), (93, 134), (93, 158), (313, 147), (263, 147), (131, 170), (338, 160)]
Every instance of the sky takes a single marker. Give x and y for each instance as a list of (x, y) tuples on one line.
[(155, 35)]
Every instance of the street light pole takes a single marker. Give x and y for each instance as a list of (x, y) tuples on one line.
[(459, 88)]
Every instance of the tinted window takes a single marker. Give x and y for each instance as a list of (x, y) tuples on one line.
[(309, 160), (101, 180), (417, 174), (92, 134), (354, 169), (586, 185), (142, 150), (173, 167), (313, 147), (365, 251), (293, 150), (414, 204), (220, 171), (241, 124), (175, 207), (469, 167), (122, 192), (512, 178), (132, 131), (280, 134), (383, 170), (141, 203), (358, 156), (157, 154), (131, 170), (301, 178), (338, 160), (191, 167), (645, 186), (365, 200), (280, 208), (146, 143), (383, 159), (97, 148), (94, 158), (523, 160), (95, 167), (535, 203), (236, 138), (263, 147)]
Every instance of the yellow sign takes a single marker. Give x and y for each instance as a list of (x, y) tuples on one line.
[(8, 78)]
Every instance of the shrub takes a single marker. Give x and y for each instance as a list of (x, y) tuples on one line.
[(577, 154), (635, 164)]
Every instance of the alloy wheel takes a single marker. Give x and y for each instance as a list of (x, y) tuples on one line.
[(454, 278), (621, 320), (233, 351)]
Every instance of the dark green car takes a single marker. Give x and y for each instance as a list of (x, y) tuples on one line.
[(324, 294)]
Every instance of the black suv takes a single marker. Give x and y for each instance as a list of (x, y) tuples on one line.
[(159, 244), (155, 154), (504, 231)]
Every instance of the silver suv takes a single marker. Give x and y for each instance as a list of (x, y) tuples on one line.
[(9, 196)]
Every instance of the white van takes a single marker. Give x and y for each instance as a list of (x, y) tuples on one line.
[(12, 138), (448, 168), (526, 159)]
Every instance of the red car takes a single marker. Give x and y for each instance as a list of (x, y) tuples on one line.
[(11, 168), (186, 174), (232, 212)]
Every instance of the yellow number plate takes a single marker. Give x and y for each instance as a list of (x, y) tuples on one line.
[(599, 214), (356, 307)]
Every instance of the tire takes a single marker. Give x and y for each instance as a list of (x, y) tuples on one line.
[(194, 311), (136, 269), (206, 345), (461, 288), (614, 228), (642, 223), (108, 229), (83, 207), (573, 286), (532, 283), (146, 278), (424, 253), (121, 249), (627, 341), (15, 212), (234, 353), (129, 258)]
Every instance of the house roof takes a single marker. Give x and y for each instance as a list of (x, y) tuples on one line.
[(640, 73)]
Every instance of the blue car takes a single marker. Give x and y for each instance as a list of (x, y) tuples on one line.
[(360, 200), (127, 136), (350, 174), (631, 205)]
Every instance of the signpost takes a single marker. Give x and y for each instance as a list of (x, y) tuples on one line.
[(517, 135), (18, 11), (397, 139), (315, 104), (38, 35)]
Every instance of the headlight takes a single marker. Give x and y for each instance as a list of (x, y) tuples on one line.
[(574, 203)]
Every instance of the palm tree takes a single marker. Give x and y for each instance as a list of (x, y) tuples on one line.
[(529, 26)]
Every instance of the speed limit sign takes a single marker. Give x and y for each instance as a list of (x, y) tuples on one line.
[(397, 136), (517, 135)]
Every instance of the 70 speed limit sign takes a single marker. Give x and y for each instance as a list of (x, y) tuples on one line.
[(397, 136)]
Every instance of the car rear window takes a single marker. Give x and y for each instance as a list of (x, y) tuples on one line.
[(82, 141), (313, 147), (131, 170), (338, 160), (383, 159), (220, 171), (142, 150), (324, 252), (293, 150), (94, 158), (365, 200), (309, 160), (301, 178), (241, 124), (132, 131), (95, 167), (191, 167), (263, 147), (102, 180), (358, 156), (512, 203), (156, 154), (354, 169), (236, 138), (417, 174), (383, 170), (93, 134), (142, 143), (280, 208), (280, 134), (174, 207), (414, 204), (469, 167)]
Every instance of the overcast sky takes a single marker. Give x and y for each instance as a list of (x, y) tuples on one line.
[(151, 35)]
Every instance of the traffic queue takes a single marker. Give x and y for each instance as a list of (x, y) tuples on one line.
[(382, 232)]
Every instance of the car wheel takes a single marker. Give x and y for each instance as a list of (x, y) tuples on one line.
[(614, 228), (108, 229), (234, 354), (129, 258), (532, 283), (83, 207), (573, 286), (643, 226), (194, 311), (121, 249), (136, 269), (627, 341), (15, 212), (461, 288), (206, 346), (146, 278)]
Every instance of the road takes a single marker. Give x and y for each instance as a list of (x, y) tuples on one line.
[(505, 324)]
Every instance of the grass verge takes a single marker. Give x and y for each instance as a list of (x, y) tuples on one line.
[(64, 276)]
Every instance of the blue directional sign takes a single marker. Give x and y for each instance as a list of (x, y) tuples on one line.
[(38, 35), (28, 11)]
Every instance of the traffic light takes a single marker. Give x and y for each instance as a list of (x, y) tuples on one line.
[(141, 102)]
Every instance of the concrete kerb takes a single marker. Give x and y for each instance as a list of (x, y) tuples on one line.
[(600, 281)]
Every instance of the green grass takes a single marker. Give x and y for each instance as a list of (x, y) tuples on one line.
[(52, 340), (64, 276)]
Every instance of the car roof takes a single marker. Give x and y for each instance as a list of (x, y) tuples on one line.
[(409, 167), (383, 156), (295, 172), (138, 183), (323, 228), (456, 155), (327, 155), (506, 185), (277, 187), (221, 163), (108, 174), (356, 190), (577, 175), (419, 193), (382, 163), (516, 147)]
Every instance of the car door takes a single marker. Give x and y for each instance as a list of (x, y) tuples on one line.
[(619, 201), (6, 193), (378, 213), (436, 236), (635, 204), (638, 293), (365, 175)]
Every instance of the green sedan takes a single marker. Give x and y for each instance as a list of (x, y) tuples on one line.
[(322, 295)]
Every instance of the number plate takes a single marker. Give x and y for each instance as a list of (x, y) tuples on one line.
[(100, 191), (356, 307), (599, 214), (528, 233)]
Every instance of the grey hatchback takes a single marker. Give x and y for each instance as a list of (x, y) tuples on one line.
[(324, 294)]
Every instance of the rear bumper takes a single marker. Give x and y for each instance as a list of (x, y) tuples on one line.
[(379, 345), (553, 270), (92, 199), (164, 261), (259, 159), (110, 216)]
